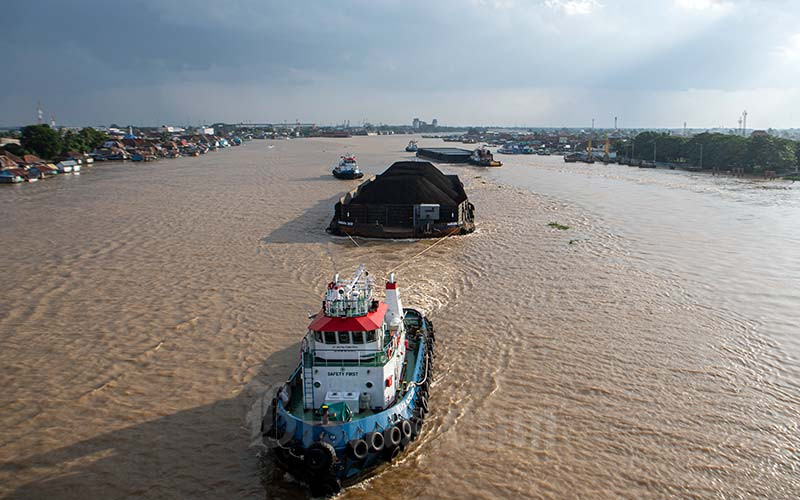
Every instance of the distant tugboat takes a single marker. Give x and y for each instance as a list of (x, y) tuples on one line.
[(347, 168), (412, 147), (482, 157), (360, 393)]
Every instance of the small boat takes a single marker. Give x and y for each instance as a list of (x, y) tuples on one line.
[(11, 176), (571, 158), (509, 149), (347, 168), (359, 394), (412, 146), (33, 174), (67, 166), (482, 157), (47, 170)]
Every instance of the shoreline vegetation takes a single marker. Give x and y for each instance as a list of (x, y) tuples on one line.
[(759, 154)]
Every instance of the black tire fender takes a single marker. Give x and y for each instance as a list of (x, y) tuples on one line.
[(405, 428), (357, 449), (375, 441), (319, 457), (391, 453), (416, 427), (392, 436)]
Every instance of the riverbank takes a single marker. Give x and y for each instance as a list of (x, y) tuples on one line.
[(30, 168)]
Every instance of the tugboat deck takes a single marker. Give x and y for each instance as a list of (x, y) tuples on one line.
[(295, 406)]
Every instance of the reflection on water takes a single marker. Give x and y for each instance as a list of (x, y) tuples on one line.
[(646, 351)]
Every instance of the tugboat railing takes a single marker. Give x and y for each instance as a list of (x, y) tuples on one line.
[(347, 308), (365, 358)]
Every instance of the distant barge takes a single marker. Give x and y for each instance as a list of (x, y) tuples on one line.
[(445, 155), (411, 199)]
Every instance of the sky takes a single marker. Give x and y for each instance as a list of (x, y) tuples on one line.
[(535, 63)]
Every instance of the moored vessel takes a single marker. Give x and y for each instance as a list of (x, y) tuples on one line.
[(359, 395), (347, 168), (482, 157), (412, 146)]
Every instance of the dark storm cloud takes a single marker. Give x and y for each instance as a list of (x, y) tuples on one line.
[(149, 59)]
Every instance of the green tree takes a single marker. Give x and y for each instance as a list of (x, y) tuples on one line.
[(15, 149), (73, 142), (41, 140), (93, 138)]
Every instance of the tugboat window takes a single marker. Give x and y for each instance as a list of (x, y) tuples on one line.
[(344, 337), (330, 337), (358, 337), (371, 336), (318, 336)]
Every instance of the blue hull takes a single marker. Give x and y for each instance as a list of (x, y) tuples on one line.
[(328, 457), (348, 175)]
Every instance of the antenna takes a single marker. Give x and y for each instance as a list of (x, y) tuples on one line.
[(39, 112), (744, 122)]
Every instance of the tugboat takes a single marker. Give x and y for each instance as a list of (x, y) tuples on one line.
[(360, 392), (412, 146), (347, 168), (482, 157)]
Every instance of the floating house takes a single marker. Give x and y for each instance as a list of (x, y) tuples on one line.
[(411, 199)]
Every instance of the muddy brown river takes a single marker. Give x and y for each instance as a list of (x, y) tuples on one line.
[(650, 350)]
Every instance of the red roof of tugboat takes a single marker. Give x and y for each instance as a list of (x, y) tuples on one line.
[(371, 321)]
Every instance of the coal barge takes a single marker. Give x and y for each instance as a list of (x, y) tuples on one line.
[(411, 199), (359, 394), (445, 155)]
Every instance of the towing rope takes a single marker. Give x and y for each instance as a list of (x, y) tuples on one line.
[(452, 231)]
